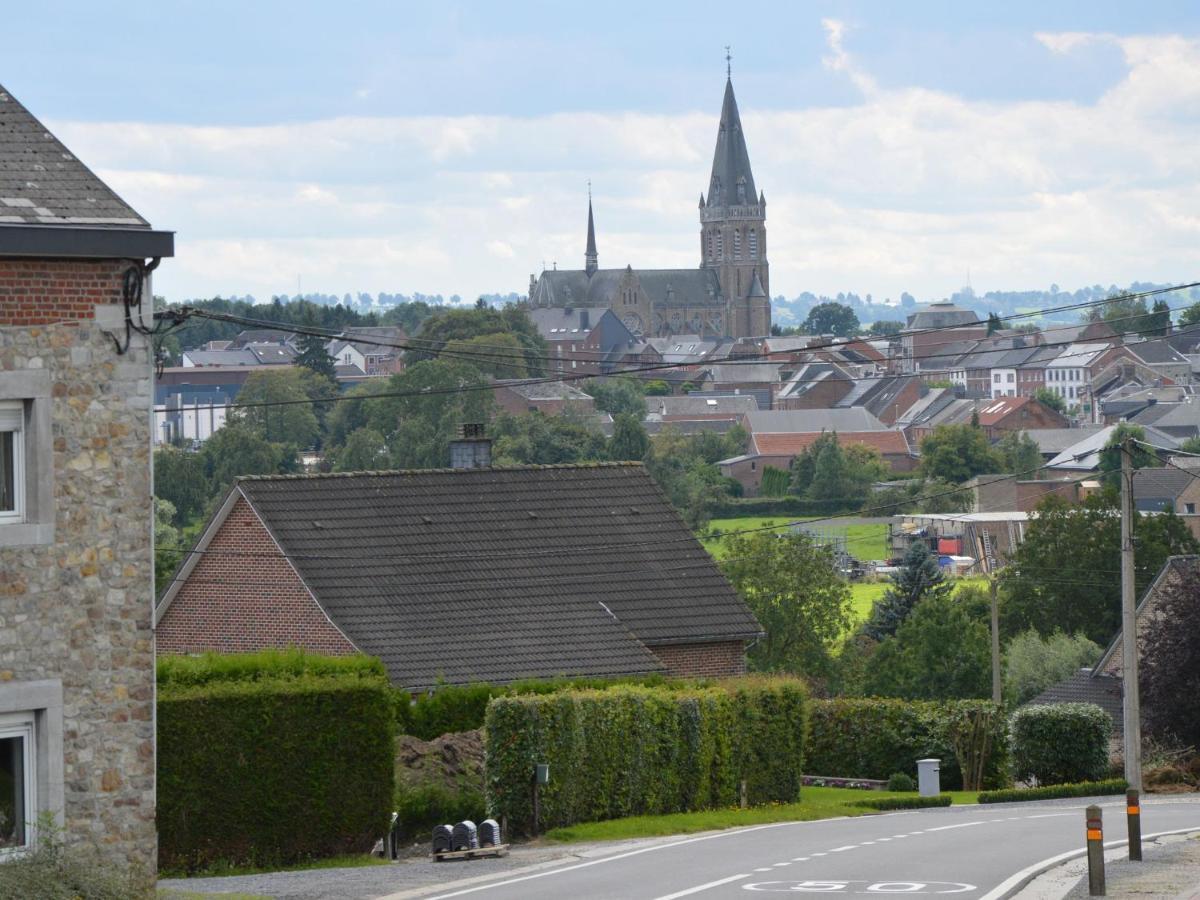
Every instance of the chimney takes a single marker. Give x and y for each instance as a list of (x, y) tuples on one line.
[(472, 449)]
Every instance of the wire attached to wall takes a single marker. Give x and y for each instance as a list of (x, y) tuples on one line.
[(132, 283)]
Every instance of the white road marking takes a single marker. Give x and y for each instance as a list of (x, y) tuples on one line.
[(781, 865), (819, 854), (883, 839), (705, 887), (869, 843), (840, 849), (1051, 816), (896, 837), (763, 869), (959, 825), (800, 859)]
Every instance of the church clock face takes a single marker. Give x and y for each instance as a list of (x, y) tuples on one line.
[(632, 321)]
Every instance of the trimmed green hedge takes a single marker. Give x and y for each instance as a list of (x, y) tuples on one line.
[(888, 803), (209, 667), (272, 771), (1061, 743), (872, 738), (633, 750), (1054, 791)]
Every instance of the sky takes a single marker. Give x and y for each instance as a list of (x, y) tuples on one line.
[(447, 147)]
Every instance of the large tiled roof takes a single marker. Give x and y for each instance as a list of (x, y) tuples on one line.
[(498, 574), (664, 288), (43, 183), (801, 421), (768, 444), (700, 404), (1084, 687)]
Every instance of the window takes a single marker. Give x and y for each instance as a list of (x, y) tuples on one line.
[(720, 245), (18, 786), (754, 243), (12, 461), (996, 378), (737, 244), (1010, 378), (1189, 508), (710, 245)]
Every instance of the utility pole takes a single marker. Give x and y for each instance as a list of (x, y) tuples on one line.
[(1129, 648), (992, 588)]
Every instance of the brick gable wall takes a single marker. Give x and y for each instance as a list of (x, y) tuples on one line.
[(716, 660), (46, 291), (235, 603)]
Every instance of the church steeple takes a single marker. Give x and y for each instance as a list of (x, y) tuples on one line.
[(591, 259), (732, 182)]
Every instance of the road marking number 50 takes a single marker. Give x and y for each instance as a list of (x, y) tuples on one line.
[(878, 887)]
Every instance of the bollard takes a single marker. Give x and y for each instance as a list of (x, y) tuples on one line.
[(1133, 812), (1095, 851)]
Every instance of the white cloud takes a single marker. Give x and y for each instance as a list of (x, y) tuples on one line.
[(903, 190)]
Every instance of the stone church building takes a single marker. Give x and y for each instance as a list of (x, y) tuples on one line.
[(726, 296)]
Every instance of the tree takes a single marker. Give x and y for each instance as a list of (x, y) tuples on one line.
[(1065, 574), (1160, 317), (1125, 312), (1019, 453), (792, 586), (1191, 445), (464, 324), (538, 439), (365, 451), (239, 449), (629, 440), (957, 452), (1170, 661), (1049, 398), (831, 318), (314, 357), (839, 476), (180, 480), (273, 403), (683, 467), (656, 387), (993, 323), (942, 651), (1110, 456), (1190, 316), (166, 542), (920, 577), (618, 395), (885, 328), (499, 355), (1033, 663)]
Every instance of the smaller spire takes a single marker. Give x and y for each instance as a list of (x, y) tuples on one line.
[(702, 199), (591, 259)]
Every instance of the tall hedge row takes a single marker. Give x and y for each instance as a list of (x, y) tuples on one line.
[(873, 738), (1061, 743), (636, 750), (271, 771)]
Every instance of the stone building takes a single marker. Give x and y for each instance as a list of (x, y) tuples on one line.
[(727, 296), (76, 560)]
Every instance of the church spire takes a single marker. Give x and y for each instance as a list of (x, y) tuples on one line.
[(732, 182), (591, 259)]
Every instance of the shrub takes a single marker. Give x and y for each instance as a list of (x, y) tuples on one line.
[(870, 738), (1033, 663), (265, 664), (1060, 743), (271, 771), (1054, 791), (642, 751), (51, 871), (901, 781), (887, 803), (425, 805)]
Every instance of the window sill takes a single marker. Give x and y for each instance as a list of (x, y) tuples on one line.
[(26, 535)]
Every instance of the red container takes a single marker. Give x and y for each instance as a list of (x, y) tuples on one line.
[(949, 546)]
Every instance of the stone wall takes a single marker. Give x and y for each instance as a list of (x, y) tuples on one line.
[(76, 605)]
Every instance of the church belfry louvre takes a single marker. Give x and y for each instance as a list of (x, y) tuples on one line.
[(726, 296)]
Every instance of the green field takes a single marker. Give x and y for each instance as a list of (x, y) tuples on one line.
[(862, 541)]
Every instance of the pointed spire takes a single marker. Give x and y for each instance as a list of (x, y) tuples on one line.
[(591, 259), (732, 182), (756, 288)]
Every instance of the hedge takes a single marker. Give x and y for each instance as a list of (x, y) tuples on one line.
[(634, 750), (209, 667), (1054, 791), (1061, 743), (873, 738), (274, 770), (889, 803)]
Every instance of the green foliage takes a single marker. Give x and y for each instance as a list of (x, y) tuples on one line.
[(941, 651), (774, 482), (423, 806), (919, 577), (1190, 316), (1170, 672), (618, 395), (180, 479), (1063, 575), (1125, 312), (365, 450), (644, 751), (1049, 398), (439, 331), (1192, 444), (1060, 743), (890, 803), (871, 738), (53, 871), (499, 355), (830, 473), (166, 543), (239, 449), (793, 587), (901, 781), (629, 439), (208, 668), (272, 770), (537, 439), (314, 357), (1019, 454), (682, 465), (1033, 663), (885, 327), (1110, 456), (831, 318), (956, 453), (1104, 788), (656, 387), (294, 422)]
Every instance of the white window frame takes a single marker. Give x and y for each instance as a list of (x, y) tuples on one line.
[(12, 420), (29, 389), (23, 726)]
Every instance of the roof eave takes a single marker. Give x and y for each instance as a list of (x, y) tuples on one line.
[(79, 241)]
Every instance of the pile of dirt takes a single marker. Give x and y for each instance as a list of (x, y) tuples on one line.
[(452, 760)]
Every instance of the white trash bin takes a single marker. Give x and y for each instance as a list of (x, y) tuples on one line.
[(929, 777)]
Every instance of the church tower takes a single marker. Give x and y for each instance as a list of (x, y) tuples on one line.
[(591, 259), (733, 232)]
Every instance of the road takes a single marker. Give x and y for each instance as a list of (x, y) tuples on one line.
[(967, 852)]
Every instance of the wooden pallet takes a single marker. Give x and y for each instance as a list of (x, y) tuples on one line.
[(478, 853)]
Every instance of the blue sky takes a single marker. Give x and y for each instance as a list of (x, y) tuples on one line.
[(445, 147)]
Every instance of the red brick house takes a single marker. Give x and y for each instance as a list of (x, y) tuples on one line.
[(461, 575)]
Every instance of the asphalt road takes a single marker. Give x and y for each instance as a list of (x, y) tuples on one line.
[(967, 852)]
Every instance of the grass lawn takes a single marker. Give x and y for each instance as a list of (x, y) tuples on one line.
[(863, 541), (863, 595), (816, 803)]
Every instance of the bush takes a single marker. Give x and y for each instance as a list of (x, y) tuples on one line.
[(423, 806), (52, 872), (1060, 743), (887, 803), (901, 782), (644, 751), (272, 771), (1054, 791), (1033, 663), (870, 738), (265, 664)]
